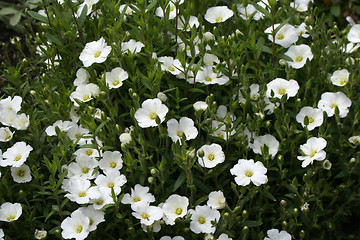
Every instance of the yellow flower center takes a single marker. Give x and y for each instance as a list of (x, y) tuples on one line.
[(152, 116), (89, 152), (249, 173), (7, 136), (21, 173), (172, 8), (178, 211), (311, 120), (85, 97), (82, 194), (201, 220), (17, 158), (299, 59), (280, 36), (208, 79), (333, 105), (313, 152), (219, 19), (78, 135), (281, 91), (179, 133), (113, 164), (85, 170), (99, 202), (116, 82), (97, 54), (211, 157), (78, 229), (145, 216), (343, 81), (220, 135), (171, 69), (111, 185), (10, 218), (137, 199)]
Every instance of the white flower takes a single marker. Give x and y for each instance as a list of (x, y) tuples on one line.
[(129, 9), (329, 101), (147, 214), (354, 34), (10, 212), (299, 54), (312, 150), (184, 126), (89, 4), (247, 171), (84, 167), (95, 216), (285, 36), (80, 190), (125, 138), (111, 161), (113, 180), (175, 207), (208, 76), (5, 134), (274, 234), (340, 77), (75, 226), (115, 78), (132, 46), (103, 198), (170, 238), (301, 30), (76, 132), (16, 155), (21, 174), (7, 116), (150, 109), (216, 200), (224, 236), (209, 59), (95, 52), (315, 117), (40, 234), (201, 219), (2, 235), (82, 77), (213, 155), (63, 126), (280, 87), (139, 195), (300, 5), (11, 104), (90, 152), (170, 65), (354, 140), (218, 14), (249, 11), (187, 25), (84, 93), (171, 7), (200, 105), (268, 140), (20, 122)]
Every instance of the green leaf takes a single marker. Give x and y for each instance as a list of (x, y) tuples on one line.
[(100, 126), (180, 181), (53, 39), (8, 11), (15, 19), (38, 16), (250, 223)]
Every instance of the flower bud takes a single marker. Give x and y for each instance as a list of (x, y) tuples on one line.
[(327, 164), (302, 234), (200, 153), (283, 203), (151, 180), (296, 212), (245, 230)]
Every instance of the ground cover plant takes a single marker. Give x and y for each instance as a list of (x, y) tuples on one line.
[(181, 120)]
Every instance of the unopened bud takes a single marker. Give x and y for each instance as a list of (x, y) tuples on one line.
[(200, 153)]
